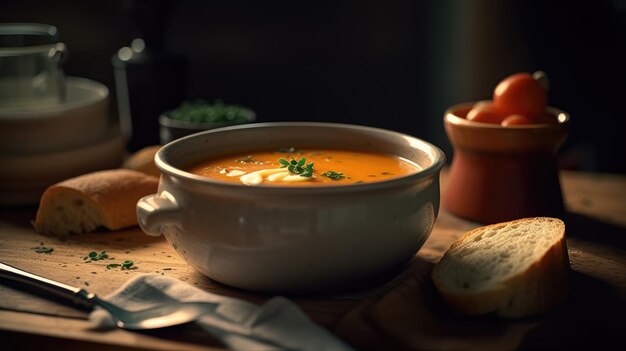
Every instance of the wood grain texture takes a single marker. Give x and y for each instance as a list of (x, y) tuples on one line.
[(389, 316), (21, 331), (66, 264), (408, 315)]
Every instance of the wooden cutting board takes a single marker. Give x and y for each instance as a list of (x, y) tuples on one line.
[(407, 314), (67, 265), (411, 316)]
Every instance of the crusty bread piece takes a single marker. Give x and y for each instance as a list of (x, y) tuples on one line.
[(99, 199), (514, 269), (143, 161)]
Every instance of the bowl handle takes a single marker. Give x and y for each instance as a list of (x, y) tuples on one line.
[(156, 210)]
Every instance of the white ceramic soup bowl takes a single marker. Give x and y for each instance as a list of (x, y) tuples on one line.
[(294, 238)]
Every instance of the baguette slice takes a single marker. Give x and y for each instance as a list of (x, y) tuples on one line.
[(515, 269), (99, 199), (143, 161)]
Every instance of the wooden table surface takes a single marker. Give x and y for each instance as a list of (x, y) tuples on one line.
[(403, 313)]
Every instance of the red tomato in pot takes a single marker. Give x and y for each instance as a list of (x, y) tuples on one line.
[(515, 120), (520, 94), (484, 112)]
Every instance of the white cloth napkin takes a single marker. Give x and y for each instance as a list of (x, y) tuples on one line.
[(277, 325)]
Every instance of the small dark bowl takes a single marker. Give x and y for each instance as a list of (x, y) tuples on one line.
[(172, 129)]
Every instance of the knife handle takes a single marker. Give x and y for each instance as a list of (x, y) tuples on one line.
[(76, 295)]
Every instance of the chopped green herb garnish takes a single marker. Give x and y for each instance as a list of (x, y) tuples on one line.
[(94, 256), (42, 249), (126, 265), (249, 159), (298, 167), (333, 175)]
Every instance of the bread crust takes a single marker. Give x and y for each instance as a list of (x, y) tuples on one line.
[(113, 194), (143, 161), (540, 287)]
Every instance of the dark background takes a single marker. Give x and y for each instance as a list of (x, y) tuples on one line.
[(391, 64)]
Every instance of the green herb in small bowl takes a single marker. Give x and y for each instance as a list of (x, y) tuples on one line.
[(204, 112), (195, 116)]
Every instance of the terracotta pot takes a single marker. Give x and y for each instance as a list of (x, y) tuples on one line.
[(503, 173)]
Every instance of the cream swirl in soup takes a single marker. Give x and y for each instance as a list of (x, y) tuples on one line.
[(292, 166)]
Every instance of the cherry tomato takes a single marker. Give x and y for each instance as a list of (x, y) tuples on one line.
[(484, 112), (520, 94), (514, 120)]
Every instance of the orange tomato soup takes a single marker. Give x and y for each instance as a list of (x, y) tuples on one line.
[(330, 167)]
